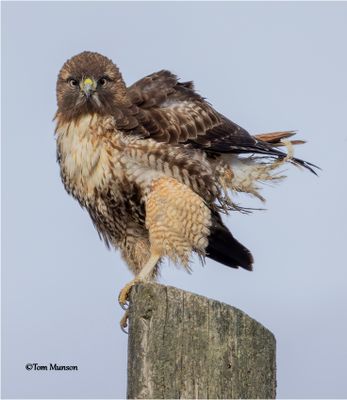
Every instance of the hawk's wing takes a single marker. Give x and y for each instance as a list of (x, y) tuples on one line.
[(172, 112), (181, 115)]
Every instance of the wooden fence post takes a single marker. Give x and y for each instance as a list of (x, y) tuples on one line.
[(182, 345)]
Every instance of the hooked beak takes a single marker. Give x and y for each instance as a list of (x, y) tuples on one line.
[(88, 86)]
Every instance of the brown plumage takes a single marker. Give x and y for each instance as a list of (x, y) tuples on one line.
[(155, 164)]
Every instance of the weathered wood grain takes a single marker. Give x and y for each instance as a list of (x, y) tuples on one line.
[(182, 345)]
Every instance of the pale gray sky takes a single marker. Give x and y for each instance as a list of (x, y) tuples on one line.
[(268, 66)]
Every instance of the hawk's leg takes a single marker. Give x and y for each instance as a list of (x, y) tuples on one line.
[(143, 276), (178, 221)]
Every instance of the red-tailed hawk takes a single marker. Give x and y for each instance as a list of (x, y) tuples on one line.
[(155, 164)]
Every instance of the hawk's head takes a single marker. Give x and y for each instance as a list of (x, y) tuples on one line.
[(90, 83)]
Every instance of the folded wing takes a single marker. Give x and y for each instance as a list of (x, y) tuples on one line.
[(172, 112)]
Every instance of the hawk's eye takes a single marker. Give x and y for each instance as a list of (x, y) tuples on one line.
[(102, 82), (73, 82)]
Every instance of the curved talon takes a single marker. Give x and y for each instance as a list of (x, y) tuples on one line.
[(124, 294), (141, 277), (125, 305), (124, 330), (124, 322)]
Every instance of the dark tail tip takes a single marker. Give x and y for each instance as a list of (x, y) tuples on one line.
[(225, 249)]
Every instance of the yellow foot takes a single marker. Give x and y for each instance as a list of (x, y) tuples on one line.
[(124, 322), (124, 293)]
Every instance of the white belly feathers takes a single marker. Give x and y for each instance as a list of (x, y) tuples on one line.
[(85, 160)]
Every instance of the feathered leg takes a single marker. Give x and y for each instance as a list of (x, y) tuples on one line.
[(178, 223)]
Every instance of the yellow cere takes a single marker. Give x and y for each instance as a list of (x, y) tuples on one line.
[(88, 81)]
